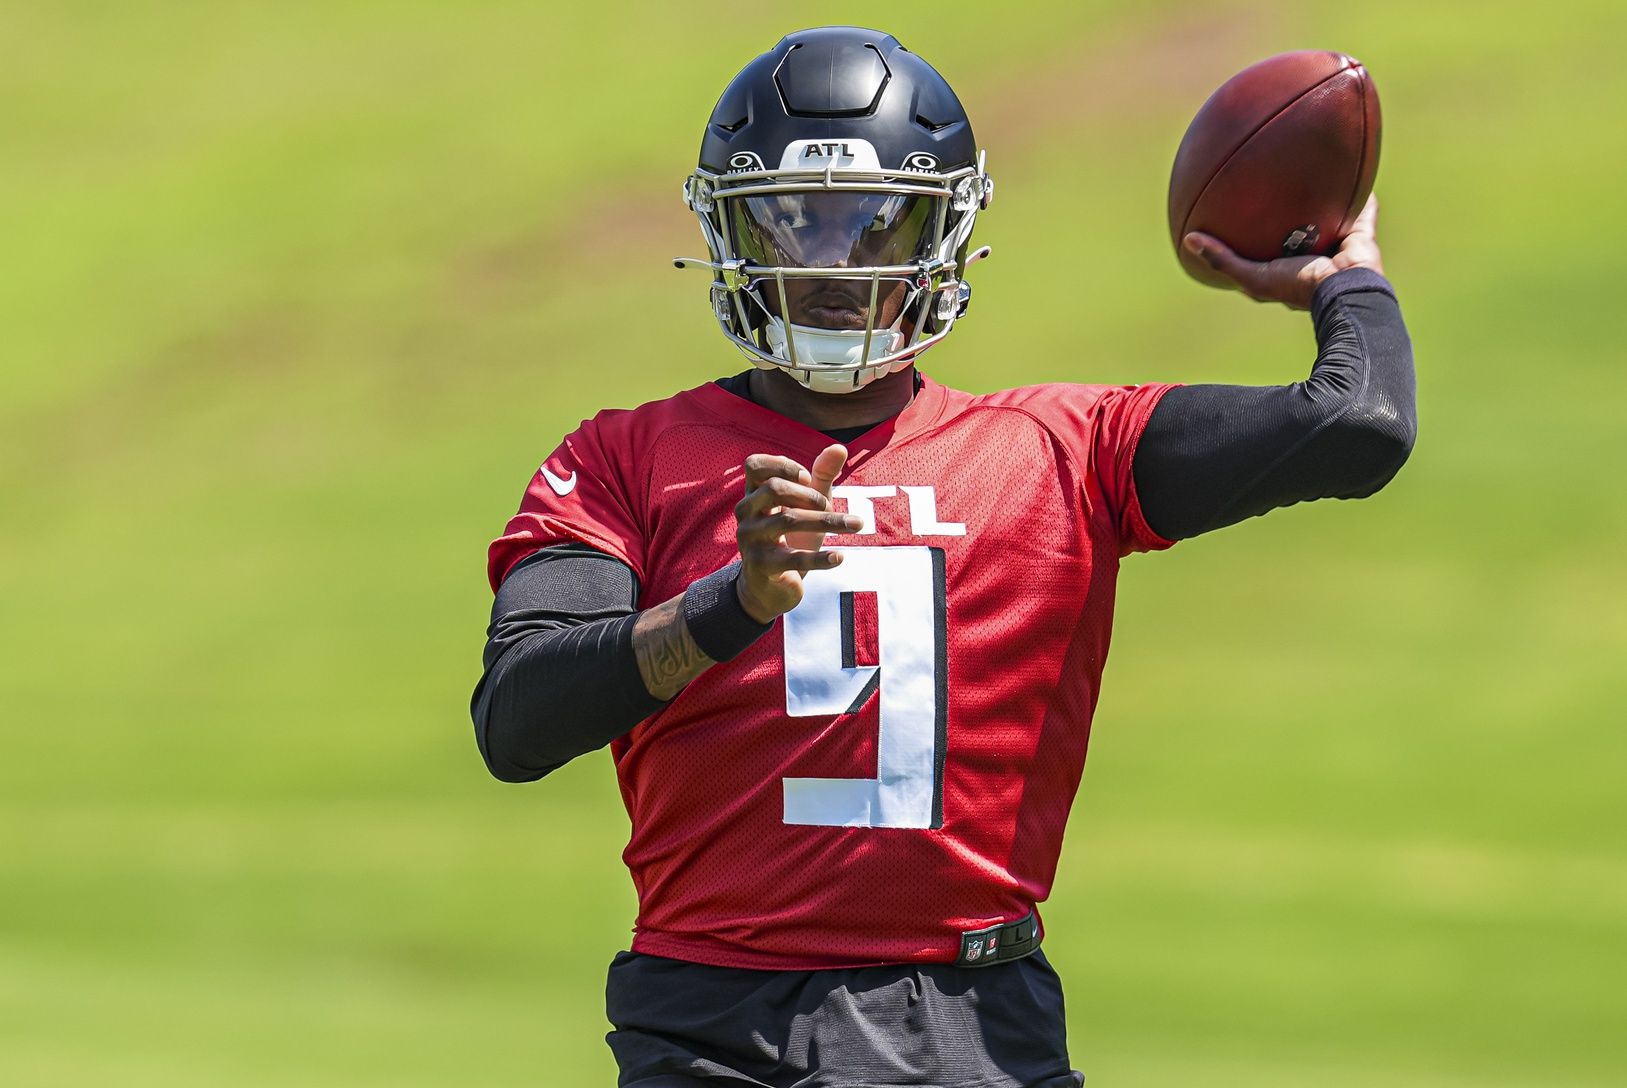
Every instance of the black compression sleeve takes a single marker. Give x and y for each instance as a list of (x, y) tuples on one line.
[(561, 678), (1213, 455)]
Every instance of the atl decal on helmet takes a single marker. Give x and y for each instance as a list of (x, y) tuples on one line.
[(849, 154)]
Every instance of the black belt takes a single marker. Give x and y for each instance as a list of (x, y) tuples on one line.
[(999, 943)]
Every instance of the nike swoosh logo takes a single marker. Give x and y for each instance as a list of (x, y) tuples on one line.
[(562, 485)]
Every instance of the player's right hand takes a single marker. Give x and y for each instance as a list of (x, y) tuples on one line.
[(781, 526), (1292, 280)]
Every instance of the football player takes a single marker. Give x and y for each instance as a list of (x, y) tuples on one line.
[(843, 627)]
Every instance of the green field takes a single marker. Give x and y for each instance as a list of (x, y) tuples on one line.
[(295, 296)]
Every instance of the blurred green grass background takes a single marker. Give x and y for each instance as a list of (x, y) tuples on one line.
[(293, 299)]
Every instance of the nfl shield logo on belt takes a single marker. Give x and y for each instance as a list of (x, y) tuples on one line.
[(974, 949)]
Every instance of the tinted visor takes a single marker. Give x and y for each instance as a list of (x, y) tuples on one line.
[(825, 229)]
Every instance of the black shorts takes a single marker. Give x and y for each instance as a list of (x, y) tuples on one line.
[(690, 1025)]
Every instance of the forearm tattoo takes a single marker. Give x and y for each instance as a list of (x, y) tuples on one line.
[(667, 656)]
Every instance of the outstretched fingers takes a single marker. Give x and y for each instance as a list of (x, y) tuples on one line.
[(1367, 222), (769, 528), (780, 527), (778, 491), (1249, 275), (1360, 247), (827, 466), (1288, 280), (761, 467)]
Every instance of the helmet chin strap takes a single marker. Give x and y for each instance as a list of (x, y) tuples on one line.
[(817, 349)]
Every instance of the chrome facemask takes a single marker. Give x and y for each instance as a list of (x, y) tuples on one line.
[(860, 229)]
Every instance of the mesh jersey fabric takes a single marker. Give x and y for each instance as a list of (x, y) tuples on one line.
[(862, 789)]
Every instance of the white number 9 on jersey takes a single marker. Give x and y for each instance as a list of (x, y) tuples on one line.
[(821, 679)]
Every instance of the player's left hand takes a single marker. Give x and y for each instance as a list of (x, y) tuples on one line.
[(1291, 280)]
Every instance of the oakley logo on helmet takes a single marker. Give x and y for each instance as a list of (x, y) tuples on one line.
[(848, 154), (920, 160), (745, 160)]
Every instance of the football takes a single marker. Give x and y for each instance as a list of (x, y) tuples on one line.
[(1279, 161)]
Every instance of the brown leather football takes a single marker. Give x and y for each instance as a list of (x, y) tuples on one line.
[(1279, 161)]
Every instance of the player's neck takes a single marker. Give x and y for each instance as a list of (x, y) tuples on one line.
[(882, 399)]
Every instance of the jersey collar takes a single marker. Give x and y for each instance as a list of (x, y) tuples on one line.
[(923, 411)]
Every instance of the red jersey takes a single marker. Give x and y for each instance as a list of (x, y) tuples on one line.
[(892, 765)]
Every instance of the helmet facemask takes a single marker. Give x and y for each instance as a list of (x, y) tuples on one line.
[(837, 276)]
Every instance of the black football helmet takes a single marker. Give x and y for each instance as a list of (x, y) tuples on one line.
[(837, 187)]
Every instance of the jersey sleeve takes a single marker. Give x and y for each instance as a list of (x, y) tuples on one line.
[(1101, 426), (581, 493)]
